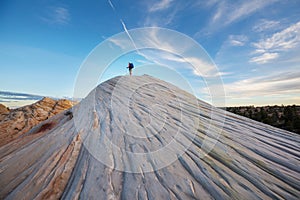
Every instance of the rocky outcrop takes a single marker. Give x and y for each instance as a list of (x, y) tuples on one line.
[(3, 111), (142, 138), (16, 122)]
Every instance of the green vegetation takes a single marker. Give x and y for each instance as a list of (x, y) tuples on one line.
[(284, 117)]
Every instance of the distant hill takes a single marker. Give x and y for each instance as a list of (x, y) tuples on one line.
[(284, 117), (9, 96), (17, 99)]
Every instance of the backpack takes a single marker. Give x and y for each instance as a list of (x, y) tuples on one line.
[(130, 66)]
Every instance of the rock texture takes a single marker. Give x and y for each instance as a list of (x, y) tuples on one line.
[(3, 111), (141, 138), (16, 122)]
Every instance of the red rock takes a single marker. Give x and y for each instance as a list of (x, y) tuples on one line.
[(16, 122)]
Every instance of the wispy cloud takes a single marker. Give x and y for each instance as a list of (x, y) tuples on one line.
[(201, 67), (209, 3), (227, 13), (161, 13), (281, 83), (160, 20), (218, 14), (57, 15), (167, 50), (238, 40), (264, 58), (270, 48), (265, 25), (283, 40), (160, 5), (246, 8)]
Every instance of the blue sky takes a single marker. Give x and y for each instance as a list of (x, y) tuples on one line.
[(255, 44)]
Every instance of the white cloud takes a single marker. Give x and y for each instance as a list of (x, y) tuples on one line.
[(264, 25), (161, 5), (160, 21), (237, 43), (286, 39), (162, 13), (209, 3), (264, 58), (228, 13), (123, 43), (57, 15), (62, 15), (282, 83), (199, 66), (202, 67), (283, 41), (237, 40), (218, 14), (167, 48), (246, 8)]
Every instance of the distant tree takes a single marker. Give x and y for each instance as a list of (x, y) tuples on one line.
[(257, 116), (263, 114), (250, 114), (274, 119), (288, 113), (288, 125), (267, 121), (296, 123), (285, 117)]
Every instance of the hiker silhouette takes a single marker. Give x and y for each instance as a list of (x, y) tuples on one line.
[(130, 67)]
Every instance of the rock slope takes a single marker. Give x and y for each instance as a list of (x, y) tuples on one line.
[(16, 122), (142, 138)]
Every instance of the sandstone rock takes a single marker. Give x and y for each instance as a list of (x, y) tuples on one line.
[(3, 111), (141, 138), (16, 122)]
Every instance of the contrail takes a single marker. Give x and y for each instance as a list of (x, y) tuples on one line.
[(112, 5), (125, 29), (123, 24)]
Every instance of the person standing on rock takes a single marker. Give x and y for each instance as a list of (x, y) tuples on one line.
[(130, 67)]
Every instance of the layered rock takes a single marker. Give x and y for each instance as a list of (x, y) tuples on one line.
[(16, 122), (142, 138)]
